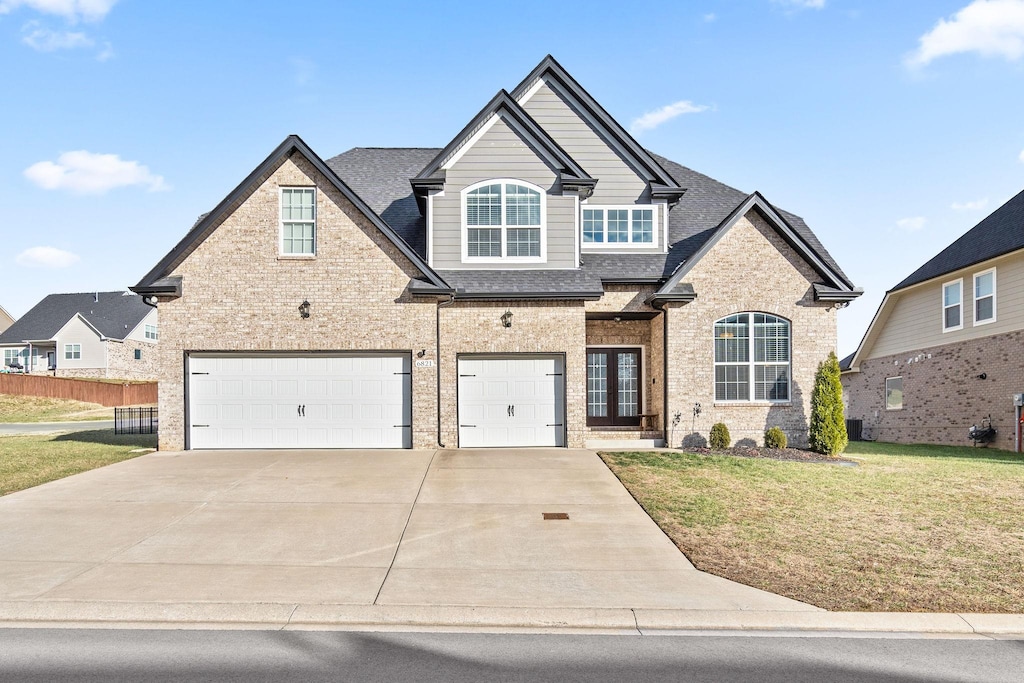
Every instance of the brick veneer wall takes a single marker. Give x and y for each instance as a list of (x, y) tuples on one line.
[(537, 327), (240, 295), (942, 395), (121, 362), (750, 269)]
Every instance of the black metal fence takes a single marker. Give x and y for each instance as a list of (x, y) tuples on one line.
[(135, 420)]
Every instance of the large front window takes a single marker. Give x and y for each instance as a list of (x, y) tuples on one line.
[(504, 220), (752, 358), (625, 226)]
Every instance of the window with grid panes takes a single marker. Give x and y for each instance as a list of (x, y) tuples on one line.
[(503, 220), (298, 221), (752, 358)]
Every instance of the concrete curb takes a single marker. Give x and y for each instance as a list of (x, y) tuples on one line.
[(275, 616)]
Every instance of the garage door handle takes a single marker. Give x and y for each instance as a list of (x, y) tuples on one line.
[(200, 425), (467, 425), (511, 411), (557, 424), (200, 373)]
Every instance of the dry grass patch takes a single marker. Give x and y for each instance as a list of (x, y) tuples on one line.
[(42, 409), (911, 528), (27, 461)]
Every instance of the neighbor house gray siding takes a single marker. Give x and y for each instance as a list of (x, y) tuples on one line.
[(501, 153)]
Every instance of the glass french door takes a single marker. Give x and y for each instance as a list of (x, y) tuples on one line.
[(613, 387)]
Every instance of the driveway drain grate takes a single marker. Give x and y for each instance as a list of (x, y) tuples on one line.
[(556, 515)]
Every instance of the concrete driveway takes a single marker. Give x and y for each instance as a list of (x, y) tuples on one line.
[(451, 528)]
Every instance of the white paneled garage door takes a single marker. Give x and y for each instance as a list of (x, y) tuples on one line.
[(275, 401), (516, 400)]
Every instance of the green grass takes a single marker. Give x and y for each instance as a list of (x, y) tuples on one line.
[(27, 461), (41, 409), (911, 528)]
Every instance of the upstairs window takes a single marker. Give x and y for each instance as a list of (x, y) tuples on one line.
[(615, 226), (504, 220), (298, 221), (752, 358), (151, 332), (952, 299), (985, 297)]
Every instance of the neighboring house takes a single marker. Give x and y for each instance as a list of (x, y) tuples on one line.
[(6, 319), (943, 352), (95, 334), (543, 280)]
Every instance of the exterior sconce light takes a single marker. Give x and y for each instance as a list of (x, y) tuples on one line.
[(304, 309), (983, 376), (506, 319)]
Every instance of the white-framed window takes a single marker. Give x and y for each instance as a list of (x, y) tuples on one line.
[(612, 227), (952, 305), (16, 356), (893, 393), (72, 351), (152, 333), (503, 220), (752, 358), (985, 297), (298, 221)]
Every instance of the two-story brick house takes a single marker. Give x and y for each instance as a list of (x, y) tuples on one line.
[(943, 351), (543, 280)]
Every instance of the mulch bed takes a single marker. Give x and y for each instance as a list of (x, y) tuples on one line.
[(794, 454)]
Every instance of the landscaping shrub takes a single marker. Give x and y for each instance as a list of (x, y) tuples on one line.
[(719, 438), (775, 438), (695, 440), (827, 431)]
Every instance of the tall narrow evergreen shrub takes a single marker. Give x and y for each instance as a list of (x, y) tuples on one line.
[(827, 433)]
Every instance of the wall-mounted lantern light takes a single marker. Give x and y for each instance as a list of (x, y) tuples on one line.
[(983, 376), (506, 319), (304, 309)]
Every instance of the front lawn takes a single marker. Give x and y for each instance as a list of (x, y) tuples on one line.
[(41, 409), (910, 528), (27, 461)]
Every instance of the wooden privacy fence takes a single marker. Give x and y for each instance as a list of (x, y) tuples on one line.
[(104, 393)]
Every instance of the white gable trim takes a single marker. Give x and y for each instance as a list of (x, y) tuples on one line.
[(475, 138)]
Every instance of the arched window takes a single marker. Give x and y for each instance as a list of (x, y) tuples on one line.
[(752, 360), (503, 219)]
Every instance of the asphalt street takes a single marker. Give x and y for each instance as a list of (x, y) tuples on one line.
[(174, 655)]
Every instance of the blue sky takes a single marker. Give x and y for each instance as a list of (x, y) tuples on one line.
[(891, 127)]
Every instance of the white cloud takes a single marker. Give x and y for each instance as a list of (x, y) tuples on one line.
[(653, 119), (1021, 156), (800, 4), (70, 10), (911, 224), (46, 257), (976, 205), (84, 172), (43, 39), (709, 17), (991, 28)]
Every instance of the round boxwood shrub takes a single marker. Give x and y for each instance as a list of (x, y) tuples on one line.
[(719, 438), (775, 438)]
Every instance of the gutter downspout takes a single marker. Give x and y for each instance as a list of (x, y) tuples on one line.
[(437, 329), (664, 379)]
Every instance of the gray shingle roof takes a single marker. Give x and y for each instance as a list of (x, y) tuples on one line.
[(523, 282), (115, 315), (999, 233), (381, 177)]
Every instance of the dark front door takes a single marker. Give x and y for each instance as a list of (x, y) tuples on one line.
[(613, 387)]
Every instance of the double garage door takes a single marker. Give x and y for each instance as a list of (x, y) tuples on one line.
[(312, 401), (365, 401)]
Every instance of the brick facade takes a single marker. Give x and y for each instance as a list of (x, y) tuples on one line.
[(750, 269), (240, 295), (942, 392)]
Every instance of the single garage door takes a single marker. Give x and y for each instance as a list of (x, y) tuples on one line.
[(516, 400), (311, 401)]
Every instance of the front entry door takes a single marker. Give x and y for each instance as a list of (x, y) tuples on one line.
[(613, 387)]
